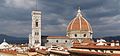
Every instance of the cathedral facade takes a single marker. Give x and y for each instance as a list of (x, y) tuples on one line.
[(78, 29)]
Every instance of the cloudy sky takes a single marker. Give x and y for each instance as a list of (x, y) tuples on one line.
[(103, 15)]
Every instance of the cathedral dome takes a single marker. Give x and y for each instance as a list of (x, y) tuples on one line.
[(79, 23)]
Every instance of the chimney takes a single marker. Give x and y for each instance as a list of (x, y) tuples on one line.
[(117, 43), (113, 43)]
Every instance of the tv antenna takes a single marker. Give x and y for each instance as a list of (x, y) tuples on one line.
[(36, 4)]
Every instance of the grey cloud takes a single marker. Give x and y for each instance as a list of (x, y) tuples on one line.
[(56, 15), (26, 4), (14, 27)]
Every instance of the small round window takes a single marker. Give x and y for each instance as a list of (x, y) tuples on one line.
[(84, 35), (75, 35), (47, 40), (57, 41), (65, 41)]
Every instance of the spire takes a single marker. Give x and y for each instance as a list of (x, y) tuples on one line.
[(36, 4), (79, 12), (4, 40)]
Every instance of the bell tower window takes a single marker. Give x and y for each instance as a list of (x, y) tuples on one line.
[(36, 23), (36, 41), (37, 33)]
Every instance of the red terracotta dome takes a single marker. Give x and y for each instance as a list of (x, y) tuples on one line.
[(79, 23)]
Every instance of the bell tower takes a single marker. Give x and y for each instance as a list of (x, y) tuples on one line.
[(36, 27), (35, 37)]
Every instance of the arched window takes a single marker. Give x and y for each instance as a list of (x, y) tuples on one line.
[(75, 35)]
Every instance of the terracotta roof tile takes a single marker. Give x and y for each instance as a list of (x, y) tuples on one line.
[(57, 37), (79, 23), (98, 47), (87, 52)]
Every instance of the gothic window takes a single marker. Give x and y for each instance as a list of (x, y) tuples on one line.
[(75, 35), (84, 35), (36, 23), (57, 41)]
